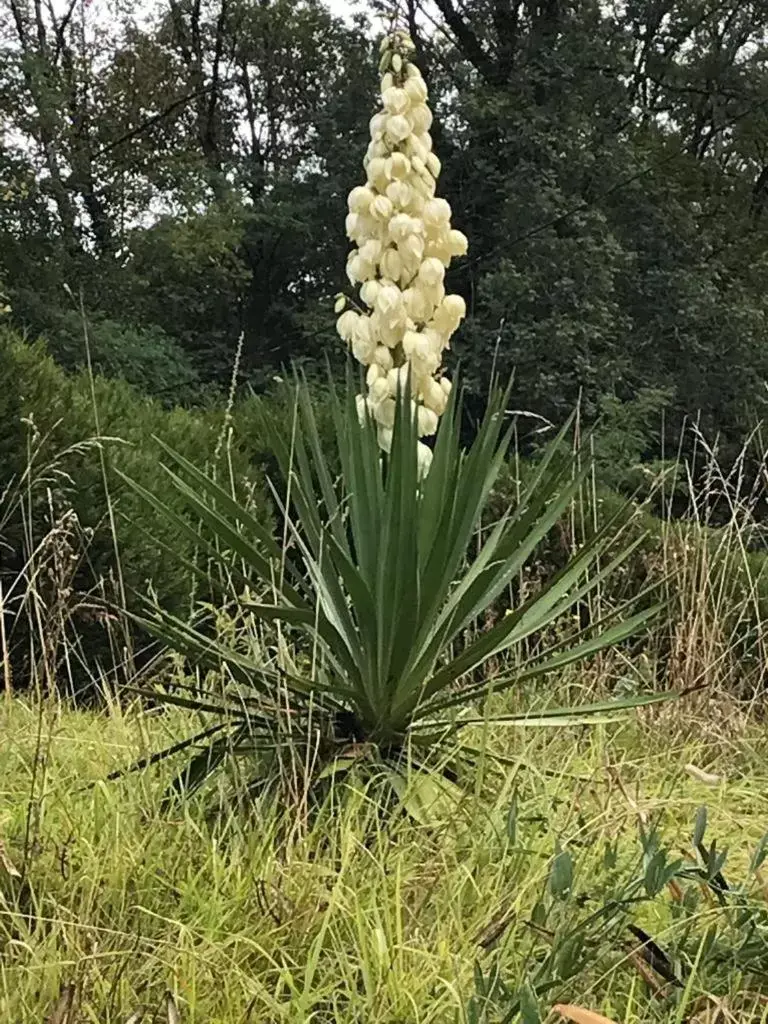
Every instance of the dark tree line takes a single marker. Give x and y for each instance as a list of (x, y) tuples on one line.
[(609, 163)]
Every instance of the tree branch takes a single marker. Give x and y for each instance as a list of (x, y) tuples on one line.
[(151, 121), (468, 42)]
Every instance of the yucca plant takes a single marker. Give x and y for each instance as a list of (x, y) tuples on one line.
[(380, 578), (382, 572)]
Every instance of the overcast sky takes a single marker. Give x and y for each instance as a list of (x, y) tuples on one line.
[(340, 7)]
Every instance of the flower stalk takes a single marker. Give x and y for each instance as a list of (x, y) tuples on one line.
[(404, 243)]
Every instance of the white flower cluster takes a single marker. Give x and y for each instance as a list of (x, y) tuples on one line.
[(404, 243)]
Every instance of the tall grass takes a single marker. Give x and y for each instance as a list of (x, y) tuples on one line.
[(43, 548)]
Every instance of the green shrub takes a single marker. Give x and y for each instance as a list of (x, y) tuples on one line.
[(146, 357), (62, 410)]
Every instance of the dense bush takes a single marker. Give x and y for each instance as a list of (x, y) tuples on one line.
[(60, 412), (145, 357)]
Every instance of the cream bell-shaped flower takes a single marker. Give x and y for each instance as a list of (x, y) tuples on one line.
[(434, 397), (427, 421), (397, 166), (458, 243), (346, 324), (384, 413), (398, 128), (404, 243), (368, 292), (384, 435), (360, 199), (424, 458), (382, 358), (431, 272), (416, 90), (395, 100)]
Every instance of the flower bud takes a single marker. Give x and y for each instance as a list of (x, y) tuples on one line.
[(416, 151), (433, 164), (373, 374), (425, 184)]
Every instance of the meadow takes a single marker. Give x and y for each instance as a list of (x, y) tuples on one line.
[(274, 910)]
